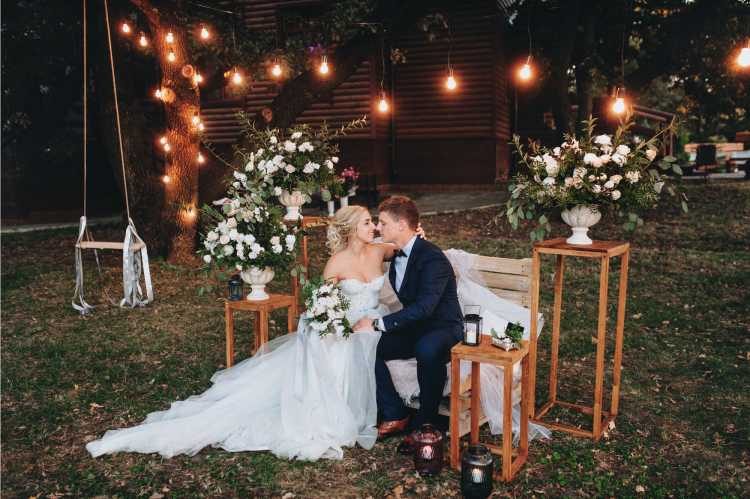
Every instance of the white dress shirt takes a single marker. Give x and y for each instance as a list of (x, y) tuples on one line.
[(400, 265)]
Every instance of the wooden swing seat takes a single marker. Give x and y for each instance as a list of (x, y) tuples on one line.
[(136, 246)]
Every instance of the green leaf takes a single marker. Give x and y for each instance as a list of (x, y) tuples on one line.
[(633, 217), (684, 206), (677, 169), (543, 219), (669, 159), (520, 212)]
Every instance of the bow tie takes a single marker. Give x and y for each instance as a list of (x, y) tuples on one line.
[(399, 253)]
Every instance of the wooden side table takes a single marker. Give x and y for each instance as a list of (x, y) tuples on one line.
[(488, 354), (261, 309), (604, 251)]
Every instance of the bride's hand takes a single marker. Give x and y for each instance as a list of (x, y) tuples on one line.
[(364, 324)]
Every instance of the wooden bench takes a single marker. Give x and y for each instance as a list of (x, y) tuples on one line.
[(508, 278)]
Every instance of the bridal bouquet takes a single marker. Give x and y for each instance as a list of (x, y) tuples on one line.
[(326, 308), (587, 176)]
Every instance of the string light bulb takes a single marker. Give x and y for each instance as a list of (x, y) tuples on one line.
[(163, 140), (159, 94), (167, 147), (169, 38), (201, 126), (196, 119), (236, 77), (197, 78), (323, 68), (276, 70), (383, 106), (619, 106), (743, 59), (125, 28), (525, 72), (205, 34), (190, 213), (166, 179), (450, 81), (171, 57), (200, 158), (143, 41)]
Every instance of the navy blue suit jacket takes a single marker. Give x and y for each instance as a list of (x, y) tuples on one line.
[(428, 293)]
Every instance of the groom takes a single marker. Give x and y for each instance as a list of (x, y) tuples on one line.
[(427, 327)]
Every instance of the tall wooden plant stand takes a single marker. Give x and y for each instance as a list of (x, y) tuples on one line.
[(604, 251)]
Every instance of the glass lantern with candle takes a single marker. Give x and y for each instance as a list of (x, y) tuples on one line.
[(476, 472), (472, 325), (428, 450), (235, 288)]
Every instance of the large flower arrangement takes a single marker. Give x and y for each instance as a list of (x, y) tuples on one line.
[(605, 172), (244, 232)]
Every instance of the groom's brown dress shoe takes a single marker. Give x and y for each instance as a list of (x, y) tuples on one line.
[(386, 428)]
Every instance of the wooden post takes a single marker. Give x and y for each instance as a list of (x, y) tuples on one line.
[(535, 264), (621, 299), (455, 387), (229, 327), (601, 342), (474, 402), (556, 314), (507, 421)]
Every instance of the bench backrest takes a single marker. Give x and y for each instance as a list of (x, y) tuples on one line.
[(508, 278)]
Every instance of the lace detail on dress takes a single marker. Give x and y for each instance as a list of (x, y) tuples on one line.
[(364, 297)]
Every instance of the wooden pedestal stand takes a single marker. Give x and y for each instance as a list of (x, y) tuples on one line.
[(603, 251), (307, 223)]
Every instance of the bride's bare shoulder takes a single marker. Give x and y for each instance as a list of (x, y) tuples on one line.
[(334, 265)]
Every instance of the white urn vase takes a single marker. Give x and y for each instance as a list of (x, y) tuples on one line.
[(344, 201), (257, 278), (580, 218), (293, 202)]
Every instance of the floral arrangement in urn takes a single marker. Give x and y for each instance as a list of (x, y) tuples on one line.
[(247, 235), (349, 177), (588, 176), (294, 163)]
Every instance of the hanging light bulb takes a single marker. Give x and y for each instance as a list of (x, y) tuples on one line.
[(236, 77), (201, 127), (383, 106), (197, 78), (743, 59), (169, 38), (205, 35), (323, 68), (450, 81), (159, 94), (525, 72), (200, 158), (196, 119), (167, 147), (166, 179), (143, 41), (171, 57), (276, 70), (190, 213), (619, 106), (163, 140), (125, 28)]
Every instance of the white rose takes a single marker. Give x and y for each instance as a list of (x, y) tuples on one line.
[(568, 181), (335, 159), (212, 236), (603, 140), (290, 146), (249, 239), (550, 165), (309, 167), (623, 150), (277, 248), (306, 146), (238, 267), (616, 195), (633, 176), (579, 171), (275, 240), (224, 239), (605, 158), (296, 135), (650, 154), (236, 185), (207, 258), (240, 176), (548, 181), (233, 234), (259, 152), (556, 151), (290, 240), (228, 249), (250, 165), (273, 139), (609, 184), (277, 191), (658, 186), (290, 169), (329, 164), (597, 162), (616, 179), (231, 222), (592, 178), (589, 158), (596, 188), (618, 158), (603, 177)]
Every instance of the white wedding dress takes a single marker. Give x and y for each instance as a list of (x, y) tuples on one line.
[(306, 397)]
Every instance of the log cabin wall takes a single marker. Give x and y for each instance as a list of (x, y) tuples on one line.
[(433, 138)]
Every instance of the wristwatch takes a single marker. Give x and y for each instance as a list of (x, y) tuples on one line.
[(376, 325)]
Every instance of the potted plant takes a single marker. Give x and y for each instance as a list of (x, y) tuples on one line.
[(587, 176)]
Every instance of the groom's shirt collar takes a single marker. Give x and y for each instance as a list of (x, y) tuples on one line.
[(409, 246)]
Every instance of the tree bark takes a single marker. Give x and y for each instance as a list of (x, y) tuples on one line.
[(567, 31), (585, 65)]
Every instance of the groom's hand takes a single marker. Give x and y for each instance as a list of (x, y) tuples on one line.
[(364, 324)]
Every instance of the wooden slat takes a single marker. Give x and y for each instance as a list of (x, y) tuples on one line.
[(519, 266), (519, 297), (510, 282), (109, 245)]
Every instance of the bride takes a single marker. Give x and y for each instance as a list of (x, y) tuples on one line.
[(300, 396)]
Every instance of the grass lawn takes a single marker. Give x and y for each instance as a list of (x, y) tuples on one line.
[(683, 428)]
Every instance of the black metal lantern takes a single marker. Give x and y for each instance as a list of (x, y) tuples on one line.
[(235, 288), (428, 450), (472, 325), (476, 472)]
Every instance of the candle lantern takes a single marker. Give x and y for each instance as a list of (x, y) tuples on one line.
[(428, 450), (472, 325), (476, 472), (235, 288)]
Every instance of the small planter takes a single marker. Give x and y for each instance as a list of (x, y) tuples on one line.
[(580, 218), (257, 278), (505, 343), (293, 202)]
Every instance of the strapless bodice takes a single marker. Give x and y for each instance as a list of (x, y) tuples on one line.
[(363, 297)]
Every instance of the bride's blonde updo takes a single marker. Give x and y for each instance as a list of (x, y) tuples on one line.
[(342, 226)]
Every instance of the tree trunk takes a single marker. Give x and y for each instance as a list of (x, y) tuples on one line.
[(567, 31), (585, 66)]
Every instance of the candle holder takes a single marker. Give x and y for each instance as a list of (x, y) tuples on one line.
[(472, 325), (235, 288), (428, 450), (476, 472)]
